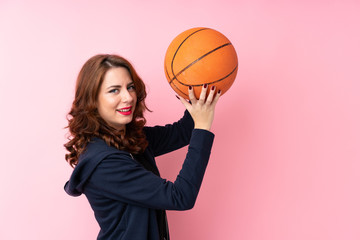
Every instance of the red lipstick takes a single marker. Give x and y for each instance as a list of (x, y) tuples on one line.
[(125, 111)]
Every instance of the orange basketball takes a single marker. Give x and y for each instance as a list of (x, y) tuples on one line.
[(198, 56)]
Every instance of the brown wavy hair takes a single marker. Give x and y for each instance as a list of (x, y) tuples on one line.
[(84, 119)]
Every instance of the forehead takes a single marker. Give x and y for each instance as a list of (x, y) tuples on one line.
[(117, 76)]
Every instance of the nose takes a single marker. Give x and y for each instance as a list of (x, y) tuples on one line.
[(126, 96)]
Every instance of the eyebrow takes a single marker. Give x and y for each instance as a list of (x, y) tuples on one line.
[(119, 86)]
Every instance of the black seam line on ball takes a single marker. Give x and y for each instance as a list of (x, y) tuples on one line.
[(206, 54), (167, 73), (172, 61), (174, 85), (198, 85)]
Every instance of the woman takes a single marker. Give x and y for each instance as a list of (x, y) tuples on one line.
[(112, 152)]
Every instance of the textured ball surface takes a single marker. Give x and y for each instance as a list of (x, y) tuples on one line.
[(198, 56)]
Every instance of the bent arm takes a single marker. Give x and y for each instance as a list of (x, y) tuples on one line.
[(121, 178)]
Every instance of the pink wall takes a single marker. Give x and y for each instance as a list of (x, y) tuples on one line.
[(286, 159)]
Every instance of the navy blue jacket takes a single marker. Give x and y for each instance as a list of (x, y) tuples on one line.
[(125, 196)]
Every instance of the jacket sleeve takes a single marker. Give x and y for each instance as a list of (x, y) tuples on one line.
[(164, 139), (121, 178)]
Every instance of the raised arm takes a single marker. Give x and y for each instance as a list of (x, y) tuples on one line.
[(164, 139)]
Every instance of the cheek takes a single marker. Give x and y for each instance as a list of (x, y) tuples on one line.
[(104, 104), (108, 101)]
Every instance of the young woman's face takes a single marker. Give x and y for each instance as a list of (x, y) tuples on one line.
[(117, 98)]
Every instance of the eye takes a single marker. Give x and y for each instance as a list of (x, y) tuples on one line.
[(115, 90), (131, 88)]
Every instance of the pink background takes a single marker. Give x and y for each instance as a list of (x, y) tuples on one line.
[(286, 159)]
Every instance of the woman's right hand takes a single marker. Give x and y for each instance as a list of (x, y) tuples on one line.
[(202, 109)]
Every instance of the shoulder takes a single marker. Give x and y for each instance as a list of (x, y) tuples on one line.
[(95, 153)]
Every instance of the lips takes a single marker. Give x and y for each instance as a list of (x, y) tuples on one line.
[(125, 111)]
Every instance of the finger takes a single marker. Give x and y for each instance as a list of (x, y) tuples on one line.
[(203, 93), (218, 94), (211, 95), (191, 94), (184, 101)]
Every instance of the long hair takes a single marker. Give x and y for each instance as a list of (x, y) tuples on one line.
[(84, 119)]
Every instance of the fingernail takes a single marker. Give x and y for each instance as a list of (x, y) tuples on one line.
[(177, 97), (213, 88), (190, 87), (205, 85), (219, 91)]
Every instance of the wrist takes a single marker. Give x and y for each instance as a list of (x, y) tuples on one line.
[(202, 126)]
